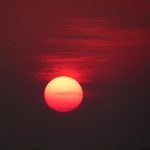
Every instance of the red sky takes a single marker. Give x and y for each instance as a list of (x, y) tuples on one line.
[(104, 44)]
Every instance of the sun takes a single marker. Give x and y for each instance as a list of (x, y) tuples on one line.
[(63, 94)]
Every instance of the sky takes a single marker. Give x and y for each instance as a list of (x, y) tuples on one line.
[(104, 45)]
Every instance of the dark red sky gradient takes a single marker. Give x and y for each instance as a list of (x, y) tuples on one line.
[(104, 44)]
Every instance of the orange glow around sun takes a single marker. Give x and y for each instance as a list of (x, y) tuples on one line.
[(63, 94)]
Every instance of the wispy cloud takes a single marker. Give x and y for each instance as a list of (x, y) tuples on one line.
[(93, 50)]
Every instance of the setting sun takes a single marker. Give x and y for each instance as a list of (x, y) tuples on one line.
[(63, 94)]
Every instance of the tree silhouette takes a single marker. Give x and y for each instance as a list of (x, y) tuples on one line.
[(36, 148)]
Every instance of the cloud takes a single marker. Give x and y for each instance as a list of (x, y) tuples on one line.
[(92, 50)]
